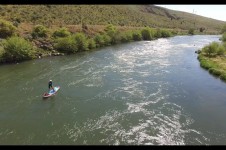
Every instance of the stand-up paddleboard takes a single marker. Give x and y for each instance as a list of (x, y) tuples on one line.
[(51, 92)]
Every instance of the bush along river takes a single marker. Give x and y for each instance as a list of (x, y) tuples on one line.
[(140, 93)]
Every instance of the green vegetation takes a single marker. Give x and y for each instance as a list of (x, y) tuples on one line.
[(191, 31), (166, 33), (44, 30), (7, 29), (39, 31), (212, 58), (224, 37), (99, 40), (81, 41), (17, 49), (66, 45), (147, 34), (126, 37), (137, 36), (91, 44), (223, 30), (62, 32)]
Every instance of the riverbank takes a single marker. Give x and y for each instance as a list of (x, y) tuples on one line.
[(215, 65), (212, 58), (32, 42), (42, 41)]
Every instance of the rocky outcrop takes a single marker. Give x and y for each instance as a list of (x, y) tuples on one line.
[(55, 53), (198, 51), (43, 44)]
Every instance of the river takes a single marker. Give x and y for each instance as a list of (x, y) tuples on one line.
[(139, 93)]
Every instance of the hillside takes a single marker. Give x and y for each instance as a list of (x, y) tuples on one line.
[(25, 16)]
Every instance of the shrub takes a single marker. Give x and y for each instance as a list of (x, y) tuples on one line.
[(175, 32), (166, 33), (39, 31), (220, 50), (191, 31), (107, 39), (223, 76), (81, 41), (91, 44), (211, 49), (126, 36), (2, 51), (110, 30), (147, 34), (99, 40), (113, 33), (129, 36), (17, 49), (62, 32), (158, 33), (137, 36), (224, 37), (66, 45), (116, 38), (7, 29)]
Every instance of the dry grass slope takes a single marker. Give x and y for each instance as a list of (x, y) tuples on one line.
[(119, 15)]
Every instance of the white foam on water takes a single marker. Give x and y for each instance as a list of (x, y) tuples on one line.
[(148, 118)]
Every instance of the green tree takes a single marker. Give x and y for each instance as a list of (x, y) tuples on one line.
[(17, 49), (7, 29)]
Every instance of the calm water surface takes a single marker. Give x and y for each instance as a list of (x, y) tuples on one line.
[(140, 93)]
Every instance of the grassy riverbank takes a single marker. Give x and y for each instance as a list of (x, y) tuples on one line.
[(60, 30), (212, 57), (42, 41)]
